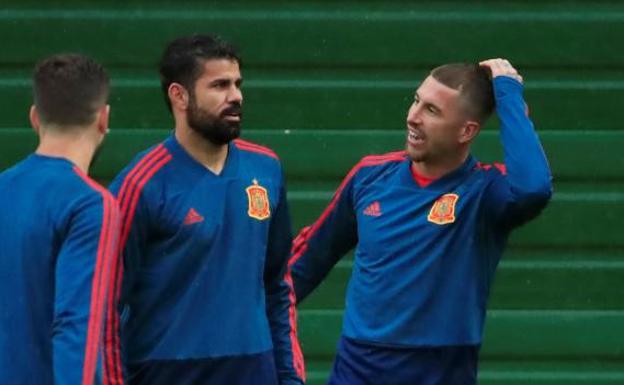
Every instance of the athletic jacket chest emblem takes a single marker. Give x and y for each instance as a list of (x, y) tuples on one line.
[(258, 201), (193, 217), (443, 210), (373, 210)]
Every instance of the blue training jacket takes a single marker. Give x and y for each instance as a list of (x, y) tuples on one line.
[(58, 234), (425, 257), (206, 283)]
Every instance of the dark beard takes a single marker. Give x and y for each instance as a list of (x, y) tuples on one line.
[(217, 130)]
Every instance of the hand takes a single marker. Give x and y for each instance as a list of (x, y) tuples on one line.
[(501, 67)]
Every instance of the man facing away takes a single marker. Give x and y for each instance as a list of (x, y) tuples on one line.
[(429, 225), (206, 236), (58, 234)]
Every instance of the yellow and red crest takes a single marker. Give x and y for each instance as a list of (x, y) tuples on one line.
[(258, 199), (443, 209)]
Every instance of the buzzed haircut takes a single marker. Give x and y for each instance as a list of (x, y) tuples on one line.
[(474, 85), (183, 59), (69, 89)]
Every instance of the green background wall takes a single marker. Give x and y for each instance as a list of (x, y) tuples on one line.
[(329, 82)]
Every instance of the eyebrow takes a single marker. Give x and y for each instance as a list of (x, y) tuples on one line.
[(427, 103), (226, 79)]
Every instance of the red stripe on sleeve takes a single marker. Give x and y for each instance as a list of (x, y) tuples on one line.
[(128, 211), (251, 144), (298, 362), (135, 174), (300, 246), (128, 196), (252, 147), (499, 166), (300, 241), (106, 255)]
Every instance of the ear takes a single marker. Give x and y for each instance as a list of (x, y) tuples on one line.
[(178, 96), (469, 131), (103, 119), (34, 119)]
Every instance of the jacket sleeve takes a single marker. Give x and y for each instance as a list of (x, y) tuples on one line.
[(525, 185), (318, 247), (83, 273), (280, 297), (131, 243)]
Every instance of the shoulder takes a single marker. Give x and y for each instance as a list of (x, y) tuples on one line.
[(257, 156), (8, 174), (378, 164), (255, 150), (493, 169), (388, 159), (143, 168), (90, 203), (89, 190), (372, 167)]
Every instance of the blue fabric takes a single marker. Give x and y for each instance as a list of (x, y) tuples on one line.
[(361, 363), (422, 272), (51, 221), (214, 287), (255, 369)]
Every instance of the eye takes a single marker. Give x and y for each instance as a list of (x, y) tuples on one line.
[(220, 83), (432, 109)]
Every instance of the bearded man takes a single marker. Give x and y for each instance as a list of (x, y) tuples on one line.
[(205, 237)]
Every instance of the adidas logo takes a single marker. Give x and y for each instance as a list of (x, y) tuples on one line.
[(373, 210), (193, 217)]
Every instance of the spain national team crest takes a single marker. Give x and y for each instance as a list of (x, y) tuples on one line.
[(258, 198), (443, 210)]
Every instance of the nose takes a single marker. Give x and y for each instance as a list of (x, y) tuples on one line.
[(235, 95), (414, 114)]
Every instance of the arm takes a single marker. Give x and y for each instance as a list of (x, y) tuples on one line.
[(280, 298), (131, 242), (527, 187), (83, 272), (129, 188), (319, 246)]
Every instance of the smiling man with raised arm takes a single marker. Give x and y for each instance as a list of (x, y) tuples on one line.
[(429, 225)]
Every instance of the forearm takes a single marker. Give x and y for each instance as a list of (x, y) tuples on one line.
[(282, 317), (316, 251), (280, 297), (318, 247), (527, 167)]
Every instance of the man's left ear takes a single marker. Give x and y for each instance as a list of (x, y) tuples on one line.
[(102, 119), (469, 131), (33, 115)]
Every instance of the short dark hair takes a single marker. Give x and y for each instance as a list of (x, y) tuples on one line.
[(474, 85), (68, 89), (183, 59)]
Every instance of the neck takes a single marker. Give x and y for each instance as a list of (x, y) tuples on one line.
[(438, 169), (202, 150), (76, 147)]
